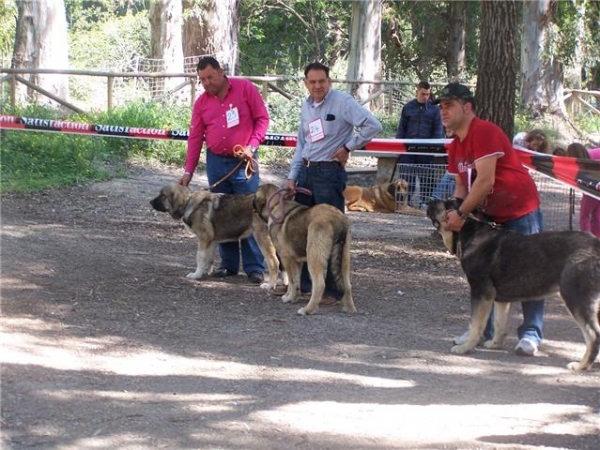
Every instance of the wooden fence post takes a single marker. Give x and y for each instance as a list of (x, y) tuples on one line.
[(109, 92)]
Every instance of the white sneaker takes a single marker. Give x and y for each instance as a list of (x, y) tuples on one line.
[(526, 347)]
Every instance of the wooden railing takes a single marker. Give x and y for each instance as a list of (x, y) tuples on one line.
[(386, 95)]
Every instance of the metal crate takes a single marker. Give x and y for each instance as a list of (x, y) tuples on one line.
[(560, 202)]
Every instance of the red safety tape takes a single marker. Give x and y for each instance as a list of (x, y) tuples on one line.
[(578, 173)]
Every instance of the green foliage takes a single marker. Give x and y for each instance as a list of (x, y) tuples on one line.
[(389, 124), (415, 37), (118, 41), (8, 20), (38, 160), (282, 37)]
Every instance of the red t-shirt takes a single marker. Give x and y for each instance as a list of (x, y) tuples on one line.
[(514, 193)]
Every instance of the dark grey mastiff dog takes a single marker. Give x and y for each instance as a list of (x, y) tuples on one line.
[(319, 236), (215, 218), (503, 266)]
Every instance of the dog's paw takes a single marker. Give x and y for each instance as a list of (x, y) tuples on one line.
[(577, 366), (491, 344), (267, 285), (461, 349), (305, 311), (194, 275), (351, 309), (286, 298)]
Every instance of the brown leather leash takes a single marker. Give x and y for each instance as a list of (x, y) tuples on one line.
[(282, 194), (251, 166)]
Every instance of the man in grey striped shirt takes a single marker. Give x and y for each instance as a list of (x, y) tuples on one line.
[(332, 124)]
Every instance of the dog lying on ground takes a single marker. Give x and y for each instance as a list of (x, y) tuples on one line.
[(319, 235), (216, 218), (380, 198), (503, 266)]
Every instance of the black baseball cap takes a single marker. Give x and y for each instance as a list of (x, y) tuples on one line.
[(455, 91)]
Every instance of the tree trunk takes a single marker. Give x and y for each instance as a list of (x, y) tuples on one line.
[(364, 61), (41, 42), (212, 29), (457, 12), (496, 75), (541, 88), (166, 42)]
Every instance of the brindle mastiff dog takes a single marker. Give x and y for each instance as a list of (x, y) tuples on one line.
[(503, 267), (215, 218), (319, 236)]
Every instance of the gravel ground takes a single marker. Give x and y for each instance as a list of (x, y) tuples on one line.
[(106, 344)]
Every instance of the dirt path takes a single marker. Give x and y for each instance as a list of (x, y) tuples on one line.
[(106, 344)]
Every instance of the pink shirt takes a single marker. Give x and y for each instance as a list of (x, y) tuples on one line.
[(209, 122), (589, 213), (594, 153)]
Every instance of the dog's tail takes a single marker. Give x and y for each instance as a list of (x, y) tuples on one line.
[(338, 258)]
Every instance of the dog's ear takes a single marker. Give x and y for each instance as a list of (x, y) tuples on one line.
[(453, 203), (176, 197), (435, 210)]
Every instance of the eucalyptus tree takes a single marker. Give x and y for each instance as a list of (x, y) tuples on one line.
[(541, 70), (211, 27), (364, 60), (166, 46), (41, 42)]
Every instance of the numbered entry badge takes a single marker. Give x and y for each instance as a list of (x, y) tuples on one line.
[(315, 128), (233, 117)]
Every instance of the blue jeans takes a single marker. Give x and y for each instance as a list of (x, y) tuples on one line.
[(216, 168), (327, 184), (445, 188), (533, 311)]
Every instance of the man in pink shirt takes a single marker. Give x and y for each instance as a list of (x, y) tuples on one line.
[(229, 114)]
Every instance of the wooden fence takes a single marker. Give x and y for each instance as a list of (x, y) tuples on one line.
[(386, 96)]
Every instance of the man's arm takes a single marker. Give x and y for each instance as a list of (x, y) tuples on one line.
[(361, 118), (297, 158), (481, 188), (259, 114), (194, 144)]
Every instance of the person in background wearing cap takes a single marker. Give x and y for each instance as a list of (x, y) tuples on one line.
[(490, 178), (228, 114), (419, 119)]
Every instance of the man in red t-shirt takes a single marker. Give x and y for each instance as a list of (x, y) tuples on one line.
[(490, 178)]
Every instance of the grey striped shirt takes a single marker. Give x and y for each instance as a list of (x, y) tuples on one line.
[(337, 115)]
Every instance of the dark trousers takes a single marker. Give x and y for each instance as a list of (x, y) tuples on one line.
[(327, 184)]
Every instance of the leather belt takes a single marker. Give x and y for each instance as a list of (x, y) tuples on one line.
[(223, 155), (308, 163)]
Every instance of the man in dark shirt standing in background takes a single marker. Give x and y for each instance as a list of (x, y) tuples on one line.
[(420, 119)]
